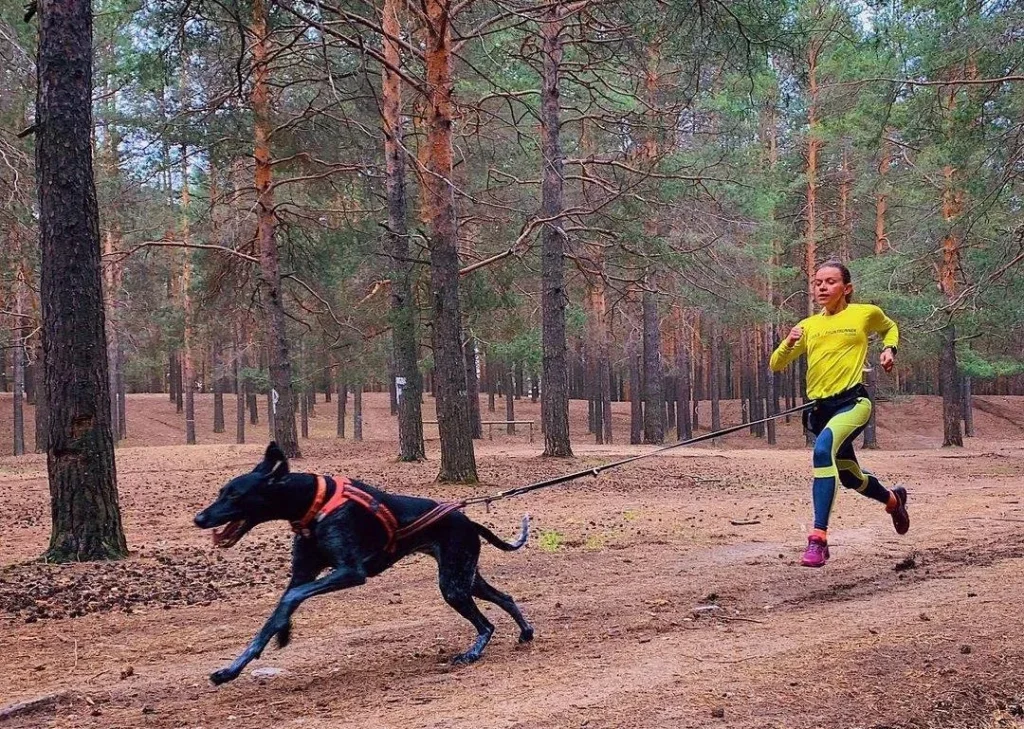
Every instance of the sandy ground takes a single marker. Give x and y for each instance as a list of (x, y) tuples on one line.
[(664, 594)]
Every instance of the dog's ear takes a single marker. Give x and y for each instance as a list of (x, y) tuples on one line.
[(275, 462)]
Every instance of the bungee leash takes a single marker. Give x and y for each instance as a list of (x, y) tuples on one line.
[(597, 470)]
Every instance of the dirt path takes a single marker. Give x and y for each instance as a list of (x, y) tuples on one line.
[(652, 608)]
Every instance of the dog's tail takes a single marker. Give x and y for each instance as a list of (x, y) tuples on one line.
[(501, 543)]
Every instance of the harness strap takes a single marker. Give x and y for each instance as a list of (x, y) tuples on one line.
[(302, 525), (383, 513), (431, 517)]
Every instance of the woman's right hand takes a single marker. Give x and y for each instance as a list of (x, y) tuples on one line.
[(794, 335)]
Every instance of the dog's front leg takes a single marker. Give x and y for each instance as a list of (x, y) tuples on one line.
[(307, 563), (338, 579)]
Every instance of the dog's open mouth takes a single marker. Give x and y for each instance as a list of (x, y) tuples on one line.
[(230, 533)]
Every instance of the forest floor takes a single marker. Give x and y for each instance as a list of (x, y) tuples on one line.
[(664, 594)]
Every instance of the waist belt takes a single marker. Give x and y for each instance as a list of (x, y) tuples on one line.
[(841, 398)]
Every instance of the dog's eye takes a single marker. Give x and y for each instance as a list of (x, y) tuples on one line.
[(233, 496)]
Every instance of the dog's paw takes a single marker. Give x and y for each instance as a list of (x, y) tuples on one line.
[(222, 676), (526, 636), (284, 636), (464, 659)]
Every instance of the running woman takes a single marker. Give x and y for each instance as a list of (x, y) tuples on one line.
[(836, 344)]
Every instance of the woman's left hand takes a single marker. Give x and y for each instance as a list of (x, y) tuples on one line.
[(887, 360)]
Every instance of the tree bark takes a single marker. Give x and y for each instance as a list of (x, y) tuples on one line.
[(654, 394), (684, 430), (715, 376), (814, 144), (304, 414), (80, 459), (882, 195), (473, 388), (553, 294), (18, 354), (491, 381), (188, 363), (240, 397), (871, 429), (458, 461), (342, 405), (510, 402), (771, 383), (172, 366), (409, 380), (113, 345), (845, 219), (951, 405), (357, 411), (42, 412), (266, 227), (968, 407), (218, 389), (636, 408)]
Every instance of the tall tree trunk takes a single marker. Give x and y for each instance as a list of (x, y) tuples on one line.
[(771, 383), (553, 294), (357, 411), (42, 424), (715, 376), (251, 391), (491, 381), (113, 345), (952, 205), (473, 388), (188, 363), (458, 461), (951, 407), (654, 394), (266, 227), (684, 429), (845, 219), (80, 459), (342, 403), (303, 414), (408, 379), (636, 408), (122, 391), (18, 354), (755, 371), (968, 407), (240, 396), (882, 195), (219, 382), (272, 399), (510, 402), (814, 144), (871, 429)]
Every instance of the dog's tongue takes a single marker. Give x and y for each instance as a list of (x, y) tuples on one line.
[(225, 536)]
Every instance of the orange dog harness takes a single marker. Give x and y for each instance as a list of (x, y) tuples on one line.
[(345, 490)]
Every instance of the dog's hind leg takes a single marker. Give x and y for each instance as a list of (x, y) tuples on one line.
[(485, 591), (340, 578), (456, 582)]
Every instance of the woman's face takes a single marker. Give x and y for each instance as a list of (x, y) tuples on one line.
[(829, 289)]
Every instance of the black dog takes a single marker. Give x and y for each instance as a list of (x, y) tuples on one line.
[(357, 531)]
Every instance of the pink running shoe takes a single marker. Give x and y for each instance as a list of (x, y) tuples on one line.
[(816, 553), (900, 516)]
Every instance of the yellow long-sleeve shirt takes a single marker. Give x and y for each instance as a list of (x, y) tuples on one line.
[(836, 347)]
